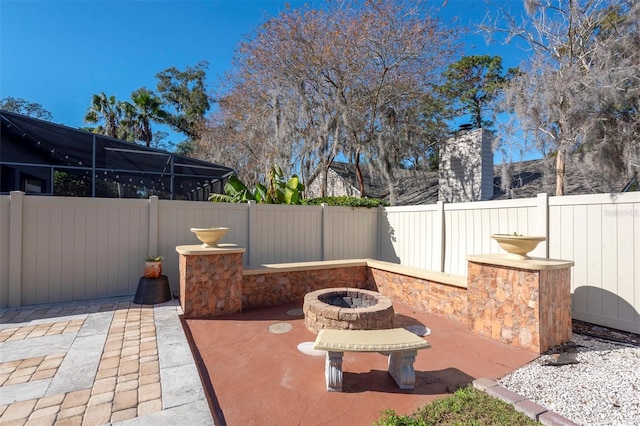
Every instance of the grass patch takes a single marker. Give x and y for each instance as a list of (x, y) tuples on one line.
[(467, 406)]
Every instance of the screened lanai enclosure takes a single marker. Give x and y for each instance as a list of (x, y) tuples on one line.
[(39, 157)]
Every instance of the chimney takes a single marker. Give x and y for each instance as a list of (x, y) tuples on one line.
[(466, 167)]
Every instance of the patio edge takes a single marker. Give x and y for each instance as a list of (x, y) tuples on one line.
[(525, 406)]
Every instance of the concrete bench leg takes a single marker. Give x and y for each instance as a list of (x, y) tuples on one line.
[(401, 368), (333, 371)]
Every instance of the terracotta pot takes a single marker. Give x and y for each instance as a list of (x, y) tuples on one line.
[(152, 269)]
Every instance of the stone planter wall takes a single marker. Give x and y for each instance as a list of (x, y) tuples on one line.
[(276, 288), (524, 303), (426, 295)]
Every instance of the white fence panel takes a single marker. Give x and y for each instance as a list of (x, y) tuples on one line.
[(59, 248), (601, 234), (4, 249), (350, 233), (468, 228), (407, 236), (81, 248), (176, 218), (284, 233)]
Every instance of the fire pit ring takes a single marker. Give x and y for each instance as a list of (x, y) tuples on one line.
[(347, 309)]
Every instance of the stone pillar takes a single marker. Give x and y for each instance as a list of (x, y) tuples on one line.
[(524, 303), (210, 280)]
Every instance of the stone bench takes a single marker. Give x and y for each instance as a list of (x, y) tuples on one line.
[(399, 344)]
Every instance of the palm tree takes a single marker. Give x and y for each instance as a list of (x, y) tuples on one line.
[(128, 124), (106, 110), (146, 107)]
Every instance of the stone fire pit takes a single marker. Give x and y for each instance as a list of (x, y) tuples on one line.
[(347, 309)]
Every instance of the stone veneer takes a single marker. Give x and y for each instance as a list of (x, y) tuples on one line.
[(210, 281), (266, 287), (526, 304), (430, 296)]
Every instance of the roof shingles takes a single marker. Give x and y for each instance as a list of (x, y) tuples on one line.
[(528, 178)]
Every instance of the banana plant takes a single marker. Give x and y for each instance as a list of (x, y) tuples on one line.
[(234, 192), (281, 190), (278, 190)]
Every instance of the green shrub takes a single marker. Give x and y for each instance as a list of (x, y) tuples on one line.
[(467, 406), (346, 201)]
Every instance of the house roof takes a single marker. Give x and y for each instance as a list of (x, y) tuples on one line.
[(41, 145), (528, 178), (532, 177)]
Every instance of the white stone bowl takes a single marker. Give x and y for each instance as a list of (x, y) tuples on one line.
[(517, 246), (209, 236)]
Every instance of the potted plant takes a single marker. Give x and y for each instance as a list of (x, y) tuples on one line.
[(152, 266)]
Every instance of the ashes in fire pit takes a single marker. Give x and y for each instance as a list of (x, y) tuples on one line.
[(347, 309), (346, 300)]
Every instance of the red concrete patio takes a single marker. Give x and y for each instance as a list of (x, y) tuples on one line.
[(256, 377)]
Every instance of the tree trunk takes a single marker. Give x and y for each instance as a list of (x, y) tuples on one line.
[(359, 175), (560, 169), (386, 169), (478, 119)]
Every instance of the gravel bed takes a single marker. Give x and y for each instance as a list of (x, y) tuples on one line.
[(588, 380)]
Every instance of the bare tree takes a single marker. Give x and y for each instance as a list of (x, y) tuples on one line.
[(579, 88), (239, 135), (311, 84)]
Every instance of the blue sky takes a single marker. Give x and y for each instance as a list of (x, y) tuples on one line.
[(59, 53)]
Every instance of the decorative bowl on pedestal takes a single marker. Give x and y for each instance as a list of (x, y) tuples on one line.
[(517, 246), (209, 236)]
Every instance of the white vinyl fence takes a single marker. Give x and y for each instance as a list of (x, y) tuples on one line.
[(601, 234), (63, 248), (440, 236)]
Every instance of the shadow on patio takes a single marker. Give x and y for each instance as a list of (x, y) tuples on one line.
[(256, 377)]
